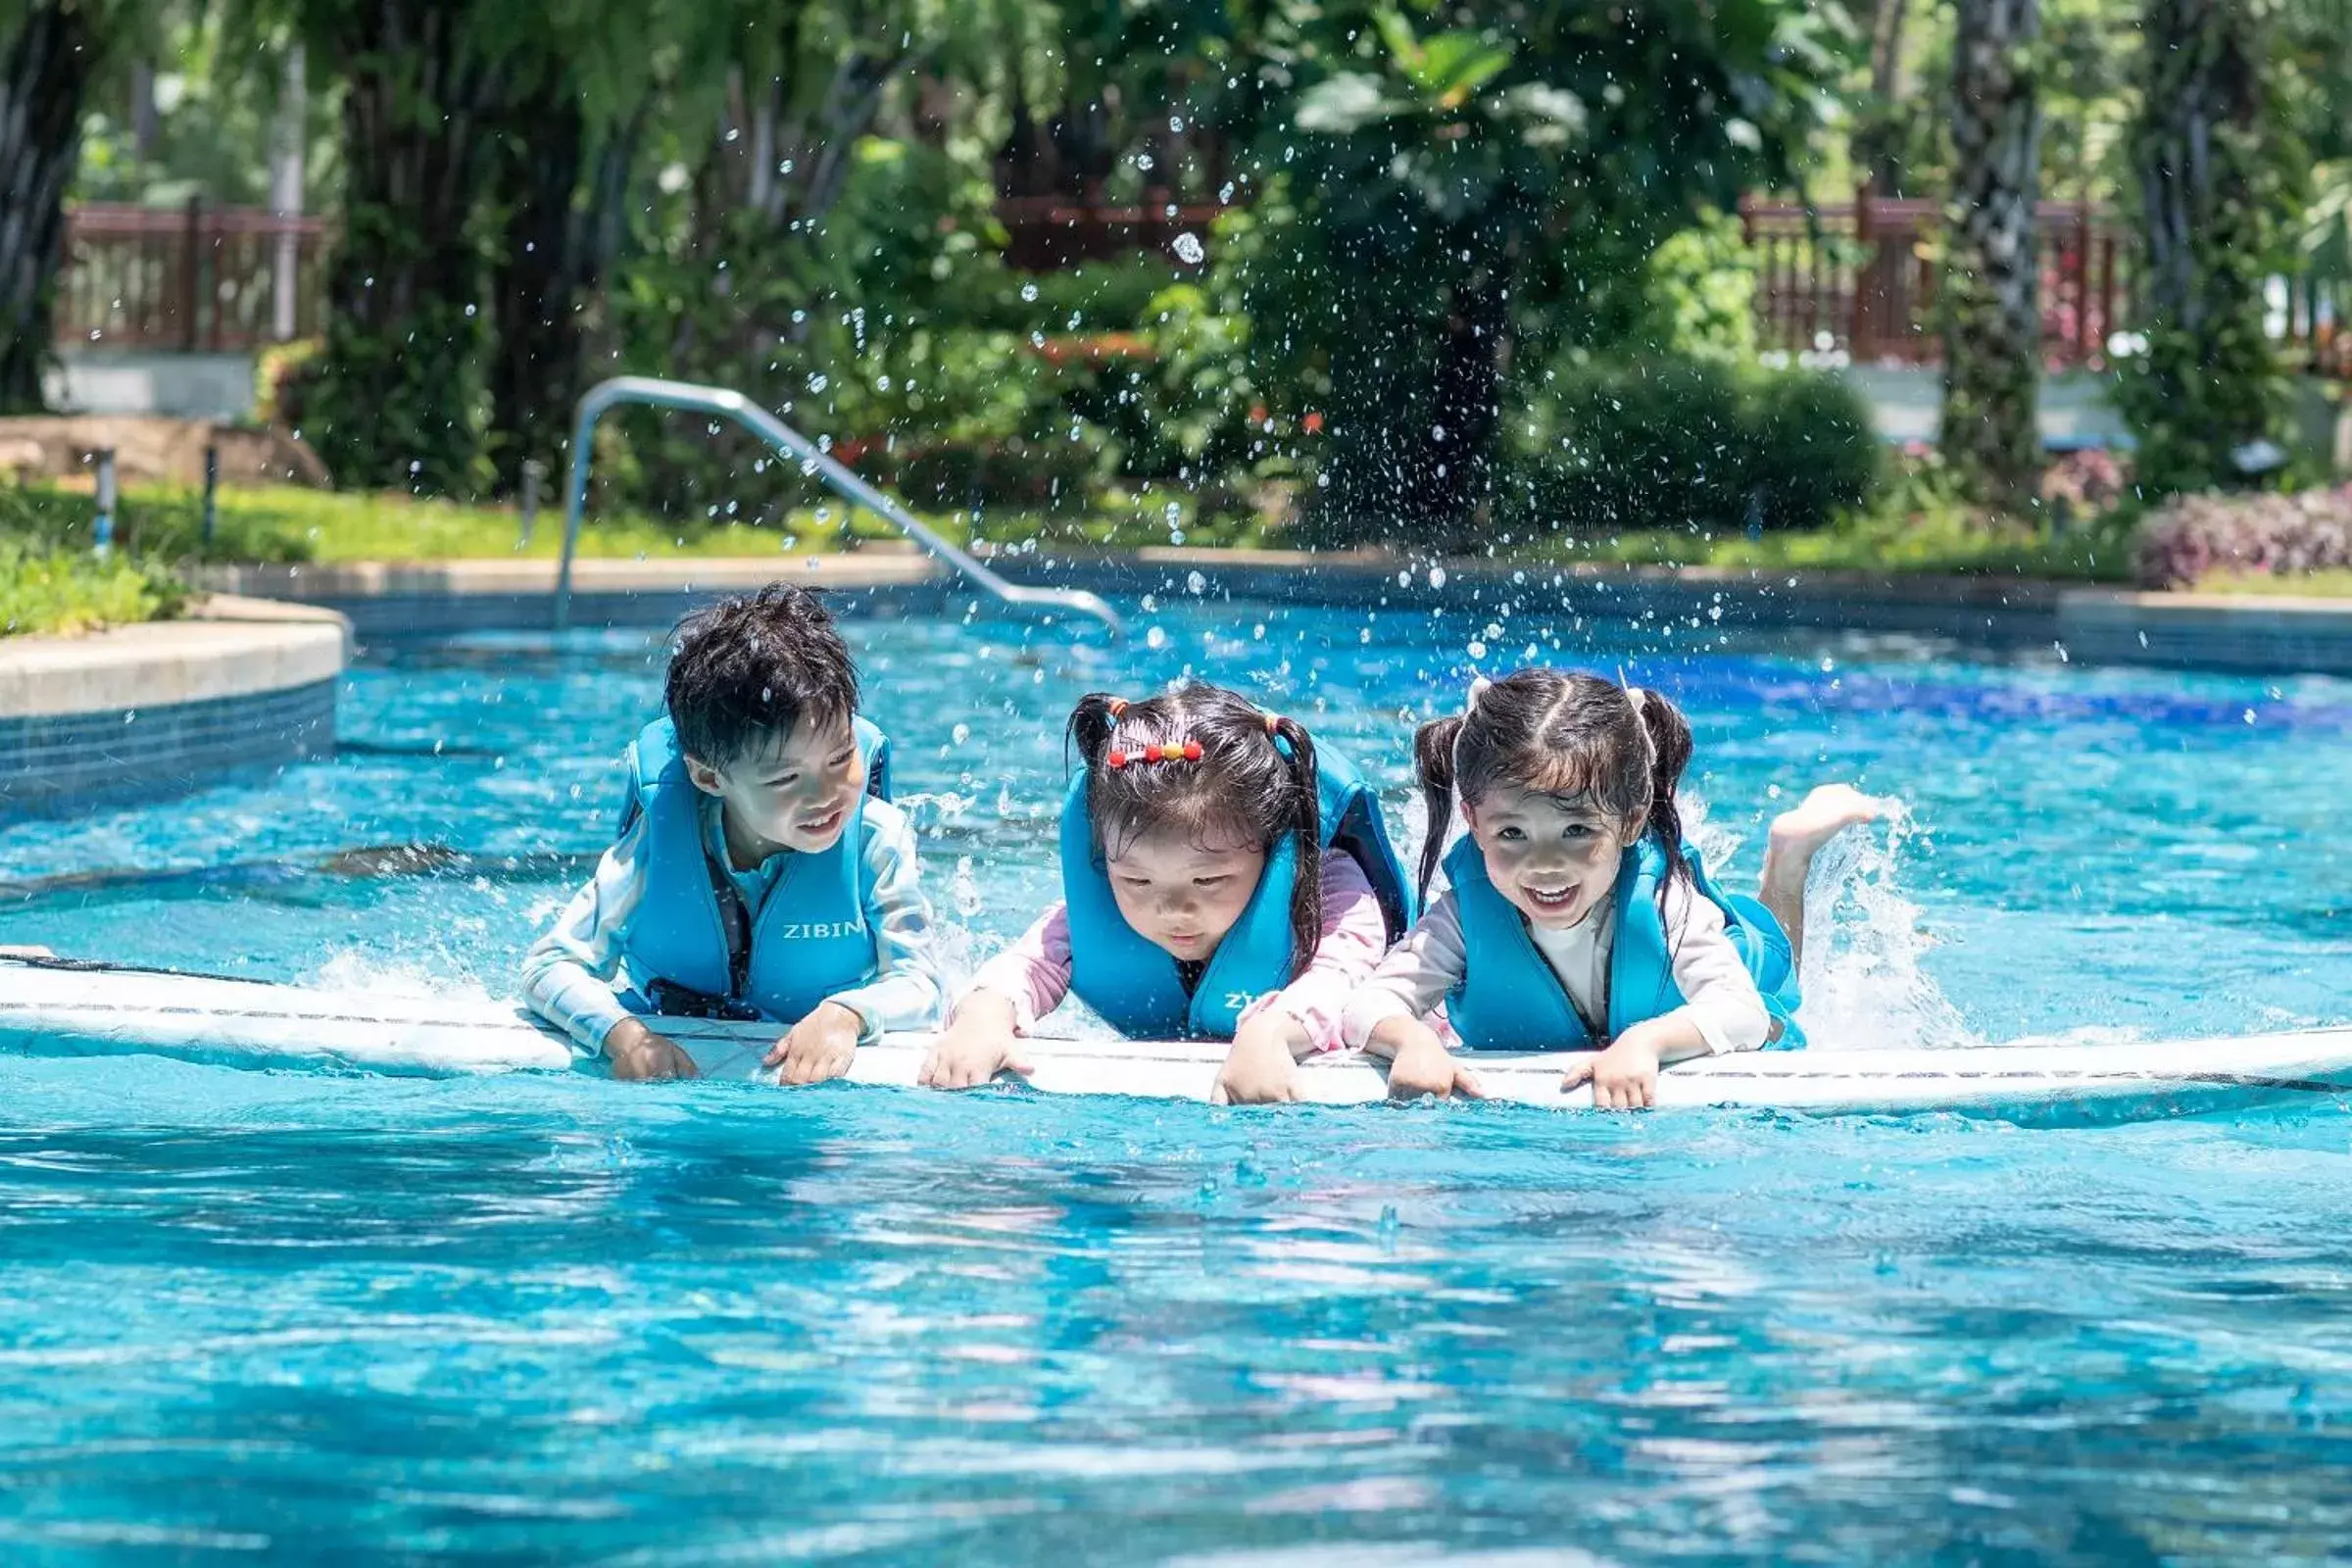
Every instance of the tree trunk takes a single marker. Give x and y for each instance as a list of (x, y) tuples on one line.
[(1991, 294), (2216, 192), (550, 272), (1445, 487), (398, 400), (48, 66)]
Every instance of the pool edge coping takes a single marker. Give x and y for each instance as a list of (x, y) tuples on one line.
[(2080, 622), (167, 707)]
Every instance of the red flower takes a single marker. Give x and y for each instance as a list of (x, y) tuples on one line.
[(1313, 423)]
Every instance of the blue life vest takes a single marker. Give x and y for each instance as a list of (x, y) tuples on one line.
[(1135, 984), (807, 941), (1509, 999)]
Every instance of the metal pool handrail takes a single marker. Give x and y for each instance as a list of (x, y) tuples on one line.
[(731, 405)]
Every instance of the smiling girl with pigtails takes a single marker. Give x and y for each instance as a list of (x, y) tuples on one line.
[(1578, 917), (1223, 877)]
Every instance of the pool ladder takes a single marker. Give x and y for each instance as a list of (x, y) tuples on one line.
[(814, 461)]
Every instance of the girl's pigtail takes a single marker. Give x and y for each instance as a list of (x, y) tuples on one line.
[(1092, 723), (1668, 743), (1433, 756), (1306, 829)]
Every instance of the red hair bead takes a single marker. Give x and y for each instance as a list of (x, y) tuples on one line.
[(1116, 759)]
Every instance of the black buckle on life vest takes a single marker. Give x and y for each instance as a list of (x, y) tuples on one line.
[(674, 1001)]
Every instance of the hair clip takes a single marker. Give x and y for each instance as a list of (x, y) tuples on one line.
[(1172, 751)]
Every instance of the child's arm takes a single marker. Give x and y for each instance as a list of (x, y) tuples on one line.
[(1303, 1018), (1386, 1016), (1033, 975), (1354, 940), (567, 975), (1412, 980), (1003, 1002), (1720, 999), (1722, 1011), (904, 993)]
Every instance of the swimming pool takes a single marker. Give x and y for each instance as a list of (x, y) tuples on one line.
[(257, 1315)]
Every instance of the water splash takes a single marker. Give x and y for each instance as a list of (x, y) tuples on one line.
[(423, 969), (1863, 983)]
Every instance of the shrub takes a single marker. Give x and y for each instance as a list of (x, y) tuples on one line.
[(2083, 484), (1813, 452), (2278, 535), (1688, 443), (949, 476), (283, 375), (50, 590)]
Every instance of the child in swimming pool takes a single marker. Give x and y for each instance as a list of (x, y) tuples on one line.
[(1223, 877), (1577, 917), (760, 871)]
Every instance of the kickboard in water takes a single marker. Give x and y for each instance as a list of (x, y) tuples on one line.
[(62, 1008)]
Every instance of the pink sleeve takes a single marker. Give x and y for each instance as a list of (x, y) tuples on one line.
[(1354, 939), (1034, 973)]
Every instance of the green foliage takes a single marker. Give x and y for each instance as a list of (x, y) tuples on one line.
[(215, 97), (1687, 444), (74, 591), (151, 525), (1453, 193), (52, 582), (2223, 174), (1699, 294), (400, 412), (281, 378)]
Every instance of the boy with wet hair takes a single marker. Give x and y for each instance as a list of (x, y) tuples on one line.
[(762, 870)]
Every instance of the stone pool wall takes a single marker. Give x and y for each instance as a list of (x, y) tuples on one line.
[(168, 707)]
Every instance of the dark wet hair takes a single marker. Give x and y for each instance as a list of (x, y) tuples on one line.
[(1623, 749), (1244, 789), (745, 672)]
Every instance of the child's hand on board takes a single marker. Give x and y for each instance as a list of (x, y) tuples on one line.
[(1262, 1067), (979, 1042), (1624, 1077), (819, 1046), (637, 1053), (1422, 1065)]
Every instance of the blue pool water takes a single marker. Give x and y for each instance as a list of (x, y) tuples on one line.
[(275, 1317)]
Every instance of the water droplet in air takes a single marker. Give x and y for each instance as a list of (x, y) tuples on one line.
[(1190, 251), (1029, 292)]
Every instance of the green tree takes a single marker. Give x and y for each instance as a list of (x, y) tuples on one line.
[(1991, 271), (2221, 184), (52, 52), (1446, 191), (395, 397)]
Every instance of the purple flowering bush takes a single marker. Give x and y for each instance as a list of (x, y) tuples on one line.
[(2193, 536)]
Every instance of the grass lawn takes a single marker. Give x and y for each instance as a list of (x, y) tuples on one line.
[(49, 582), (287, 523), (1867, 546)]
